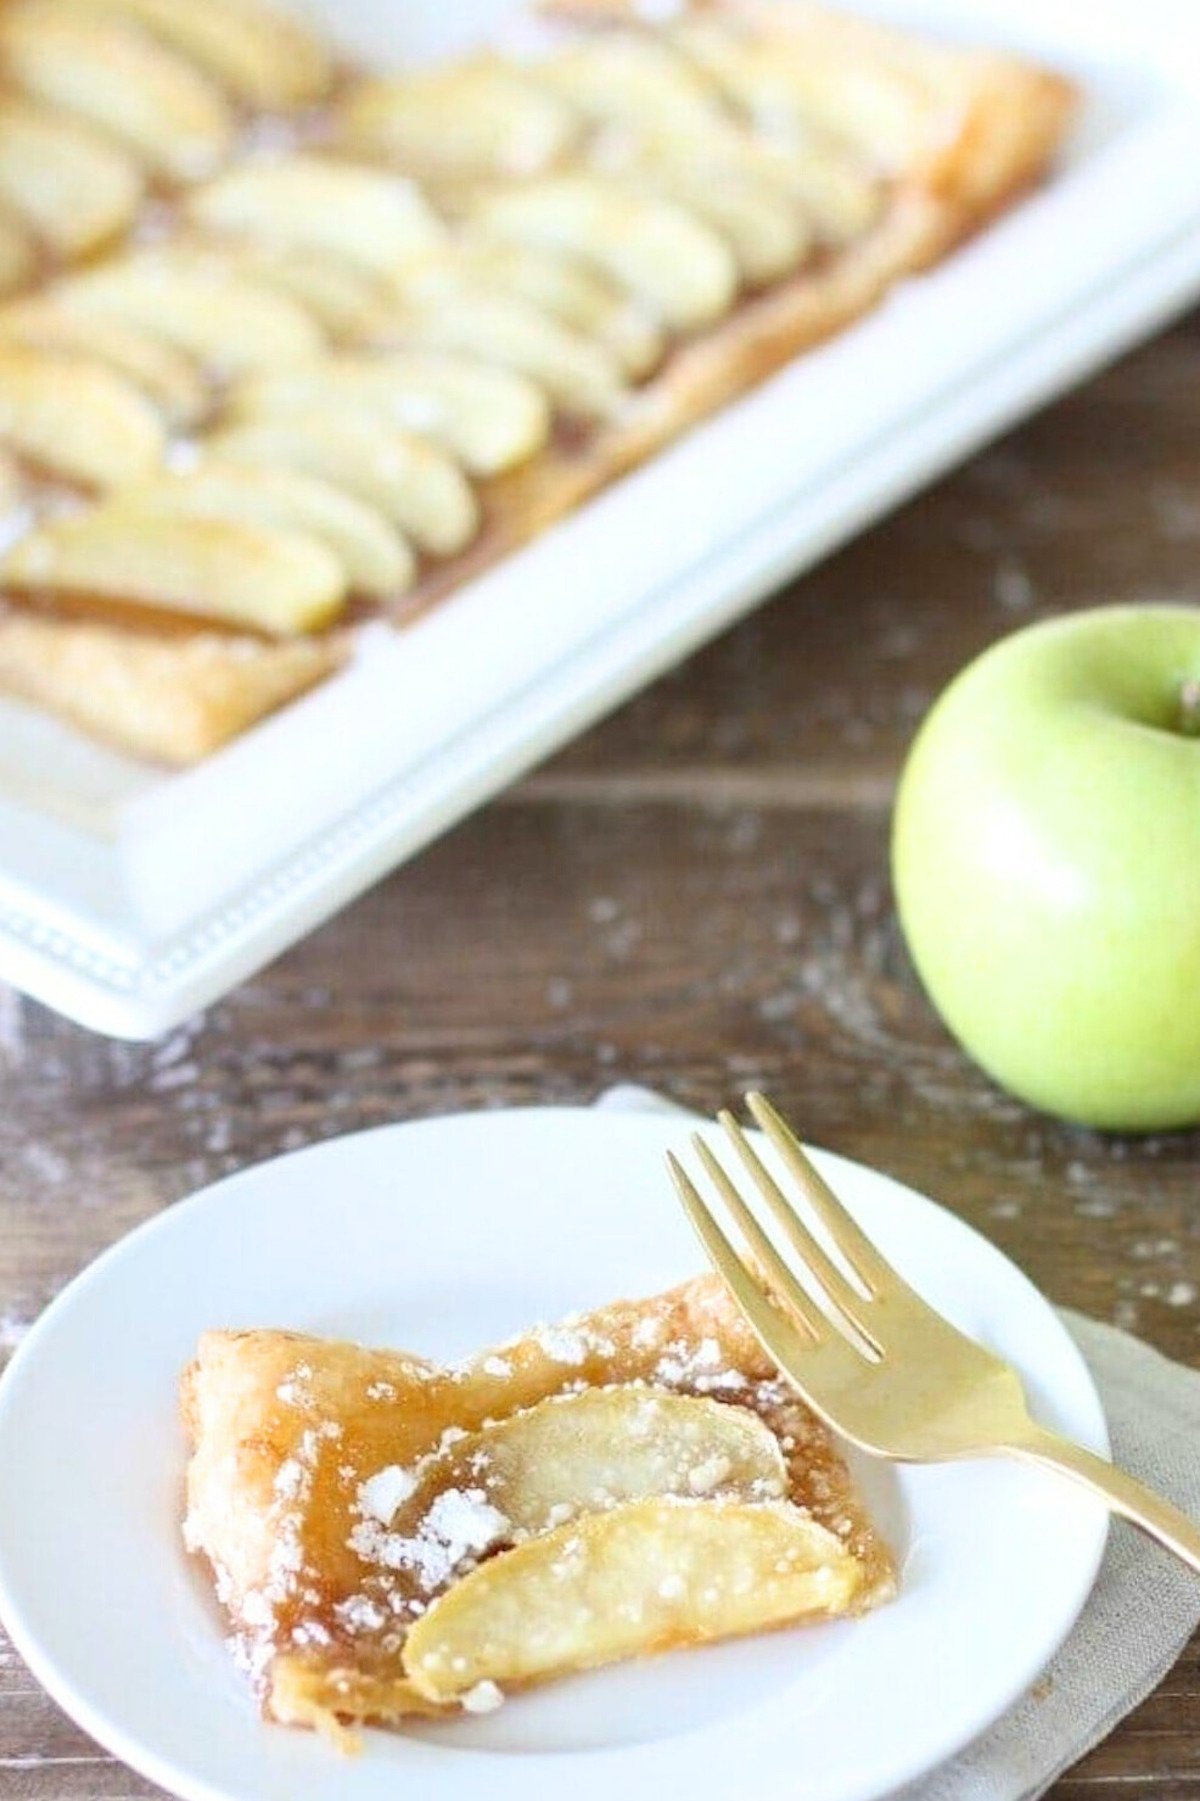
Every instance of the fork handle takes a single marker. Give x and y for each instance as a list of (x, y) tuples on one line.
[(1123, 1493)]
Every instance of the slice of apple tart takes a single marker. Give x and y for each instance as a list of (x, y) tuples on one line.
[(391, 1537)]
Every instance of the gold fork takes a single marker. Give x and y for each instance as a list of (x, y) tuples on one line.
[(873, 1359)]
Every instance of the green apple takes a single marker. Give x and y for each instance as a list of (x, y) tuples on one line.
[(1046, 860)]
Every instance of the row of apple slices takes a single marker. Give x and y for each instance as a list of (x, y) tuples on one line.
[(655, 254), (93, 374), (659, 253), (69, 405), (619, 1519), (633, 1518), (731, 125), (589, 275), (93, 71), (279, 520), (167, 80), (332, 474), (580, 313), (104, 96)]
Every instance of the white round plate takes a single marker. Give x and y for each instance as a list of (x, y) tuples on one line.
[(441, 1237)]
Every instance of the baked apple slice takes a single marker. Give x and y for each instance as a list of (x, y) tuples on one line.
[(578, 1453), (764, 225), (124, 556), (661, 252), (345, 299), (376, 560), (580, 376), (490, 419), (260, 55), (476, 117), (73, 186), (839, 194), (18, 252), (412, 483), (196, 303), (14, 484), (74, 418), (634, 79), (575, 292), (164, 375), (652, 1575), (814, 72), (370, 217), (97, 67)]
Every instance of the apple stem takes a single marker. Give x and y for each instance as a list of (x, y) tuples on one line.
[(1189, 707)]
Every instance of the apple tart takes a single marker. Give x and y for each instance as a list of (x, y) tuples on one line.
[(389, 1536), (284, 344)]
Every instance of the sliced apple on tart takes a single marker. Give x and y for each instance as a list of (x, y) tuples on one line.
[(651, 1575), (578, 375), (661, 252), (575, 292), (763, 225), (480, 116), (575, 1453), (96, 66), (418, 487), (490, 419), (392, 1537), (73, 187), (262, 56), (73, 417), (126, 558), (196, 303), (164, 375), (633, 79), (375, 559), (369, 217)]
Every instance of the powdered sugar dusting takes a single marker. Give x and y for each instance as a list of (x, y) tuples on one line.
[(381, 1494), (561, 1344), (360, 1614), (698, 1368), (485, 1697), (460, 1525), (259, 1608)]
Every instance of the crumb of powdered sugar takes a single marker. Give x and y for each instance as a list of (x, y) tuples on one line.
[(485, 1697), (381, 1494)]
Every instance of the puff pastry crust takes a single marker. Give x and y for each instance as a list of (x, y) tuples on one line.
[(359, 1518), (163, 696)]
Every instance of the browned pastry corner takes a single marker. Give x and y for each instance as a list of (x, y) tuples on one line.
[(174, 699)]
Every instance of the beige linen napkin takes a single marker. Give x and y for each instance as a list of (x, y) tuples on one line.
[(1144, 1607)]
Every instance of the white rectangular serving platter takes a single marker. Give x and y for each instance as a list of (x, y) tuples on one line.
[(130, 898)]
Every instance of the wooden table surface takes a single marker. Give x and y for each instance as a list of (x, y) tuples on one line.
[(694, 896)]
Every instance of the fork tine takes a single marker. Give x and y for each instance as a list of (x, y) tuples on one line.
[(745, 1289), (787, 1289), (849, 1303), (873, 1270)]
